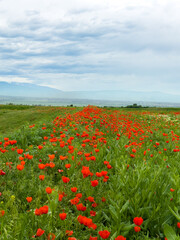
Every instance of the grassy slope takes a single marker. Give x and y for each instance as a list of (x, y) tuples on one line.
[(14, 117)]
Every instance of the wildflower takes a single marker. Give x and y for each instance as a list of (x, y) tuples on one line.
[(178, 224), (74, 201), (62, 216), (80, 207), (86, 172), (37, 212), (109, 166), (67, 166), (13, 197), (48, 190), (62, 157), (172, 190), (44, 209), (51, 165), (41, 166), (2, 172), (69, 232), (79, 195), (23, 163), (41, 177), (94, 205), (104, 234), (98, 174), (65, 179), (74, 189), (20, 151), (93, 213), (138, 221), (60, 197), (120, 238), (20, 167), (39, 233), (137, 229), (51, 156), (90, 199), (29, 199), (104, 173), (2, 212), (94, 183), (51, 236), (93, 238)]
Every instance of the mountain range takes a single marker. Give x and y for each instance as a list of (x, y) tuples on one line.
[(15, 89)]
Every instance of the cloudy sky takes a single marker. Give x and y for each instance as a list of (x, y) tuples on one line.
[(91, 44)]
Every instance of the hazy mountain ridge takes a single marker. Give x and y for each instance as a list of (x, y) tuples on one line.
[(31, 90)]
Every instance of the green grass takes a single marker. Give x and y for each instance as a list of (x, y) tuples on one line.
[(14, 117)]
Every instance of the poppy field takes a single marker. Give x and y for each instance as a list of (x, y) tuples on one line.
[(91, 174)]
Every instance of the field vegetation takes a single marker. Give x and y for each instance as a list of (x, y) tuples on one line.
[(89, 173)]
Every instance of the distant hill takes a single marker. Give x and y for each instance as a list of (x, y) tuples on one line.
[(32, 90), (27, 90)]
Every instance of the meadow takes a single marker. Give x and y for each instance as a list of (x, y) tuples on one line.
[(74, 173)]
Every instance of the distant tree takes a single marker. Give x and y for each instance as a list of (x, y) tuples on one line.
[(134, 106)]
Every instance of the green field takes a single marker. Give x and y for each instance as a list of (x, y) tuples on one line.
[(74, 173), (13, 117)]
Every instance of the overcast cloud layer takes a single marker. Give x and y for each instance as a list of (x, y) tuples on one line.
[(91, 44)]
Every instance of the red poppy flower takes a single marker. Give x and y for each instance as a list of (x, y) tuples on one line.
[(104, 234), (2, 172), (48, 190), (120, 238), (67, 166), (51, 236), (94, 183), (29, 199), (69, 232), (65, 179), (41, 166), (41, 177), (138, 221), (80, 207), (62, 216), (74, 189), (39, 233), (74, 201), (79, 195), (137, 229), (93, 213), (93, 238), (20, 167), (2, 212), (20, 151)]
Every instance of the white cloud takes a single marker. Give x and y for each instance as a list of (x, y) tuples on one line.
[(10, 79), (94, 44)]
